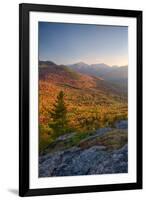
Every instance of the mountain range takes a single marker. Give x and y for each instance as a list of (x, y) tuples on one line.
[(65, 76), (88, 98), (116, 76)]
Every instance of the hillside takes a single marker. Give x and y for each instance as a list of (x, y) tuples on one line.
[(96, 113), (90, 101), (63, 76)]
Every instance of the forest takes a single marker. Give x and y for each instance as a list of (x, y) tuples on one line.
[(71, 102)]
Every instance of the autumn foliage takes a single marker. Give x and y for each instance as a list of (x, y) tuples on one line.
[(70, 101)]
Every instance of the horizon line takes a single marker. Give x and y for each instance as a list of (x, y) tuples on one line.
[(115, 65)]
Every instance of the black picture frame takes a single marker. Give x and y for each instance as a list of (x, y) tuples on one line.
[(24, 106)]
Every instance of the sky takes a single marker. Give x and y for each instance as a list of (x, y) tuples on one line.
[(65, 43)]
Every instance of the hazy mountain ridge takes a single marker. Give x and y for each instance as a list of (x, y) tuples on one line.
[(117, 76), (62, 74), (117, 73), (100, 69)]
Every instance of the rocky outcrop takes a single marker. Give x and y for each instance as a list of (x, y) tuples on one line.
[(76, 161), (61, 142), (86, 158)]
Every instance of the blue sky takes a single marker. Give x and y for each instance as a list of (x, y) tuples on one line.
[(70, 43)]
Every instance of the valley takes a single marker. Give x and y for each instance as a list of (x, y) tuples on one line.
[(91, 102)]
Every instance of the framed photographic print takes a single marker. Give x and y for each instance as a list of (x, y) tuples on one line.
[(80, 100)]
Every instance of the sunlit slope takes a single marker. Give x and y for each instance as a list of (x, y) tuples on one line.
[(87, 98)]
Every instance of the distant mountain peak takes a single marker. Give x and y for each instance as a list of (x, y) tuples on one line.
[(47, 62)]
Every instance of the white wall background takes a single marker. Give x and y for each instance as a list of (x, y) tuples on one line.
[(9, 97)]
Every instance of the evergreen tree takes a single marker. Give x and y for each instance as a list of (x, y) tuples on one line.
[(59, 122)]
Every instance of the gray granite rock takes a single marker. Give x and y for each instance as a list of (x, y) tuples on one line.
[(76, 161), (122, 124), (93, 159), (65, 137)]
